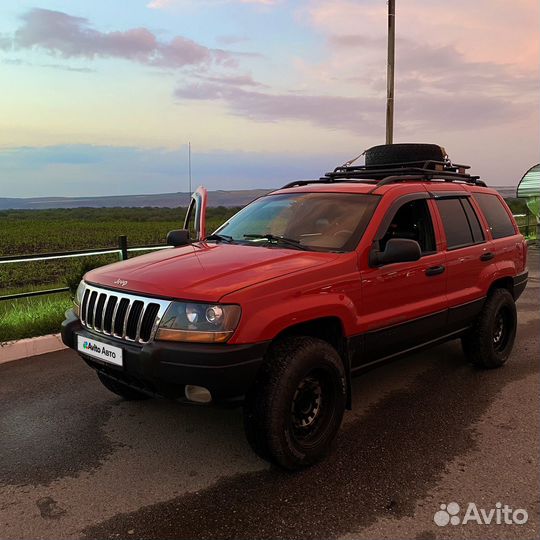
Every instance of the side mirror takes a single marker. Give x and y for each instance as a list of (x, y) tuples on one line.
[(397, 250), (178, 237)]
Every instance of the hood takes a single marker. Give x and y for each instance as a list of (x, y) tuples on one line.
[(204, 271)]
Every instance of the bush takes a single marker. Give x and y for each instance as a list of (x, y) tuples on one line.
[(75, 274)]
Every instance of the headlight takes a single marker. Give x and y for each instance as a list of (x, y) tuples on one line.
[(78, 298), (202, 323)]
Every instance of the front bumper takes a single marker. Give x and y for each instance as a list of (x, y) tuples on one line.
[(164, 368)]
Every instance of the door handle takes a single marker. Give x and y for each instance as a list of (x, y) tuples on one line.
[(487, 256), (435, 270)]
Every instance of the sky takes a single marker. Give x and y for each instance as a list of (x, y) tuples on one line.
[(103, 97)]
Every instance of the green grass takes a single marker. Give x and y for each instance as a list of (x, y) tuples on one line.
[(29, 317)]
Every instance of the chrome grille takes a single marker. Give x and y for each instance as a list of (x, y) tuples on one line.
[(121, 315)]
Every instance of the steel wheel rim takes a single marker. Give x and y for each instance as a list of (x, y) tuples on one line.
[(312, 408), (501, 329), (307, 403)]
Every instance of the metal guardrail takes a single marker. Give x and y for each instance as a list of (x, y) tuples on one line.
[(33, 293), (122, 250)]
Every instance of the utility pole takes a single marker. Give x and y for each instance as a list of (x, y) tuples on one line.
[(189, 167), (390, 71)]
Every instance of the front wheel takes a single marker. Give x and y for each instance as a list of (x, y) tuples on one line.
[(490, 341), (295, 409)]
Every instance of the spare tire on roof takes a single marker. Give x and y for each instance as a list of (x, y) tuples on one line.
[(403, 152)]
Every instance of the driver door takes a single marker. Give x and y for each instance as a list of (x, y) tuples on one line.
[(195, 220), (404, 304)]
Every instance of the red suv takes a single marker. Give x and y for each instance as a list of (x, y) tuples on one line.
[(304, 288)]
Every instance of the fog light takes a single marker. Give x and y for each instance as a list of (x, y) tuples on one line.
[(198, 394)]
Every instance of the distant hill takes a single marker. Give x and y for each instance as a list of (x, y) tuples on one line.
[(162, 200), (506, 191)]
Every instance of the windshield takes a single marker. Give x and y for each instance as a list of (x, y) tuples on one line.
[(317, 221)]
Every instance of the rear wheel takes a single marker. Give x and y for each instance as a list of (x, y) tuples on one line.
[(491, 339), (295, 409), (120, 389)]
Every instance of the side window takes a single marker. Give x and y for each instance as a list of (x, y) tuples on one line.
[(460, 223), (474, 224), (497, 217), (412, 221)]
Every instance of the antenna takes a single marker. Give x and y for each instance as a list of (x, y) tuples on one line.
[(189, 166), (390, 72)]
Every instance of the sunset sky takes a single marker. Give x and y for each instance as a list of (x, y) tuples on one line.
[(101, 97)]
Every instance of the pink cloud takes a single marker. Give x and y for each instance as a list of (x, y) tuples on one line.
[(162, 4), (329, 111), (231, 80), (483, 30), (71, 36), (418, 109)]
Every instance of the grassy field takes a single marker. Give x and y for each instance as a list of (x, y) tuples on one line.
[(45, 231)]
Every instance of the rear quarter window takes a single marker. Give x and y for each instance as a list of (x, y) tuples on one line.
[(456, 223), (496, 215), (476, 229)]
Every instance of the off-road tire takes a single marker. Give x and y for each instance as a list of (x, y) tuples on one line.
[(487, 345), (273, 408), (403, 153), (129, 394)]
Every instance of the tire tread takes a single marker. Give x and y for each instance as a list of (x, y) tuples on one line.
[(260, 420), (477, 342)]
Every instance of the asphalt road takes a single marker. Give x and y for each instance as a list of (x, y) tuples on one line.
[(426, 430)]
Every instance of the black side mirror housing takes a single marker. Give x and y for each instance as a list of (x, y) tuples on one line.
[(397, 250), (178, 237)]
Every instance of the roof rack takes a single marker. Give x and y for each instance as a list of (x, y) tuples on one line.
[(391, 173)]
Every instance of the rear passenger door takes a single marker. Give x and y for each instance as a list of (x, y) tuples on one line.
[(469, 259)]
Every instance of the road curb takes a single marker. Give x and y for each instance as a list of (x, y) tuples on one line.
[(24, 348)]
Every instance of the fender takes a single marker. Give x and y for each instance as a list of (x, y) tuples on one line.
[(327, 290), (506, 269), (266, 322)]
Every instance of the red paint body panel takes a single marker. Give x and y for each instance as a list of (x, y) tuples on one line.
[(204, 271), (328, 290)]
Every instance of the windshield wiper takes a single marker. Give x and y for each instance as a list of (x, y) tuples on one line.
[(220, 238), (278, 240)]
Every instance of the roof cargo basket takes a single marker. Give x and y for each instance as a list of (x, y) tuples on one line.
[(419, 163), (403, 153)]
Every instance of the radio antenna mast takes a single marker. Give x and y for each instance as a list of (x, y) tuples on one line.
[(189, 166)]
